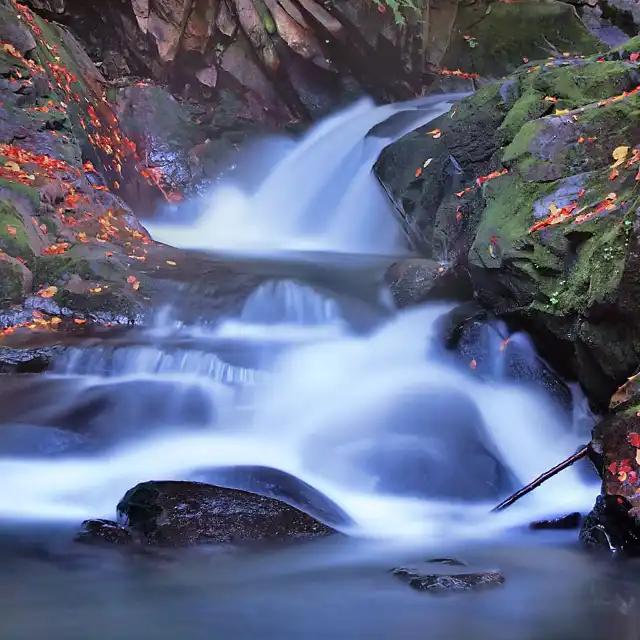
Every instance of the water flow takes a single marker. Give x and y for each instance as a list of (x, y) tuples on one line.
[(322, 196), (406, 439), (385, 424)]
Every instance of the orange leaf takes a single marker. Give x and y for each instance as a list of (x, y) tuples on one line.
[(12, 231), (49, 292)]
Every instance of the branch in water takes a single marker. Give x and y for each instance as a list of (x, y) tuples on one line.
[(580, 453)]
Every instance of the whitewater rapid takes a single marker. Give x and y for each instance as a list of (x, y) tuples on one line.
[(409, 440)]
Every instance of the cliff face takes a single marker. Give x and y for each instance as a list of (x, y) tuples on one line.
[(283, 59)]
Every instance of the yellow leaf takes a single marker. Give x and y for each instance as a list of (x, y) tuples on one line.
[(620, 155), (427, 163), (171, 263), (553, 209), (12, 166), (562, 112)]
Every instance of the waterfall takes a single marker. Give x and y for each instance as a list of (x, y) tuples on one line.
[(321, 196)]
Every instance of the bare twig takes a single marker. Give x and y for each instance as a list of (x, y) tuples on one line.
[(581, 453)]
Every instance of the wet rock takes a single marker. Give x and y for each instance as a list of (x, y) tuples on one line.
[(570, 521), (610, 527), (103, 532), (417, 280), (187, 513), (277, 484), (572, 285), (34, 360), (424, 579)]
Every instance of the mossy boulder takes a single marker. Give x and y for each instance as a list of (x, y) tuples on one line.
[(493, 39), (541, 141)]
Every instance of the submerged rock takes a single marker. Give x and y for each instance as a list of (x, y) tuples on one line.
[(423, 578), (103, 532), (570, 521), (173, 513)]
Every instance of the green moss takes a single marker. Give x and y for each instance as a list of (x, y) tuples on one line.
[(505, 33), (52, 270), (30, 193), (530, 106), (521, 145), (16, 245), (630, 46), (11, 282)]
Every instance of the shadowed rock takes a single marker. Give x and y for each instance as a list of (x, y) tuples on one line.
[(174, 513)]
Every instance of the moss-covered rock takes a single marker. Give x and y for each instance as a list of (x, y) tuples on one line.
[(493, 39), (537, 144)]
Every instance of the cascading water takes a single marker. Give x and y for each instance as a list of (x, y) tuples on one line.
[(407, 440), (322, 196)]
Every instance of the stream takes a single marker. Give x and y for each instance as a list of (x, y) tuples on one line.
[(314, 374)]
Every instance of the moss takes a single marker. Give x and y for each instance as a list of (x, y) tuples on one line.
[(16, 245), (530, 106), (52, 270), (30, 193), (505, 33), (11, 282), (630, 46)]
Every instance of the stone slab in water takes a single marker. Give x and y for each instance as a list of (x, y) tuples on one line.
[(424, 578), (176, 513)]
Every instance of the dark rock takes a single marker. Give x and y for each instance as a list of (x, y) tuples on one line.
[(27, 360), (277, 484), (452, 324), (424, 579), (611, 527), (103, 532), (185, 513), (417, 280), (571, 521)]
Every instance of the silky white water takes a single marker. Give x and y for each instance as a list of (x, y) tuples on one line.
[(321, 196), (409, 441)]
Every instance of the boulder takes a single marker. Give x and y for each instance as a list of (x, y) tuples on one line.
[(172, 513), (540, 212)]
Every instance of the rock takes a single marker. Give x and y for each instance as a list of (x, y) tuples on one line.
[(609, 528), (103, 532), (282, 486), (574, 285), (417, 280), (570, 521), (186, 513), (493, 38), (424, 579)]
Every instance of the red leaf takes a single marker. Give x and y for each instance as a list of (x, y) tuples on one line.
[(634, 439), (612, 468)]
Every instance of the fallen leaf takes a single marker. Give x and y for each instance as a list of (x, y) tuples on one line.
[(418, 172), (12, 231), (436, 133), (473, 364), (79, 321), (620, 155), (561, 112), (551, 99), (171, 263), (634, 56), (614, 174), (634, 439), (427, 163), (49, 292), (131, 279)]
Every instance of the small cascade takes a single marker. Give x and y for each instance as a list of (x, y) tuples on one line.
[(321, 196)]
